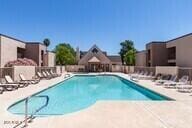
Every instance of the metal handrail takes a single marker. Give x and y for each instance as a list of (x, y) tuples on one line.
[(32, 115)]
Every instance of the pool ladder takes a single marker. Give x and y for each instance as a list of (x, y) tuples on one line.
[(28, 118)]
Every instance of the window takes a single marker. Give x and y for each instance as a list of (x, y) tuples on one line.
[(20, 52), (94, 50), (172, 53), (42, 54), (172, 64), (149, 54)]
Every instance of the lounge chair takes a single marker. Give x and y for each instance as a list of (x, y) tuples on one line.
[(163, 79), (41, 76), (32, 81), (46, 76), (137, 75), (174, 84), (21, 84), (9, 87), (184, 88), (1, 90), (67, 75), (148, 76), (146, 73), (156, 77), (55, 74), (50, 75)]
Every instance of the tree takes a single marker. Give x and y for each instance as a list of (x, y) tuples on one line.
[(46, 42), (126, 46), (64, 54), (129, 57)]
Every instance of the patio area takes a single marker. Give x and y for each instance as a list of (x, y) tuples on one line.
[(109, 114)]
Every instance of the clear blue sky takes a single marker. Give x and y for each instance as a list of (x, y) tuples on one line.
[(103, 22)]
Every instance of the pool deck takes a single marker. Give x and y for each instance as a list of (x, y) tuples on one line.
[(108, 114)]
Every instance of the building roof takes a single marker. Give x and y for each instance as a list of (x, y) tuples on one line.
[(82, 53), (35, 43), (189, 34), (12, 38), (115, 58), (94, 60), (20, 40)]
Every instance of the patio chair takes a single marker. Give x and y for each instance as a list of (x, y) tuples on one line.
[(1, 90), (149, 76), (31, 81), (50, 75), (21, 84), (134, 73), (137, 75), (66, 75), (46, 76), (163, 79), (174, 84), (54, 73), (41, 76), (9, 87)]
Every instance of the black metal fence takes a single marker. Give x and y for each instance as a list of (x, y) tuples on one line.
[(185, 71), (6, 71), (41, 69), (145, 69)]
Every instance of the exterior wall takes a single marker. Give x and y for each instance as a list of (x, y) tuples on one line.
[(102, 57), (9, 49), (27, 71), (74, 68), (167, 70), (158, 54), (42, 48), (49, 59), (117, 68), (33, 51), (60, 69), (131, 69), (99, 55), (141, 58), (183, 50)]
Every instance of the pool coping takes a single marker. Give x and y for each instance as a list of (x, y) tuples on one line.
[(184, 99)]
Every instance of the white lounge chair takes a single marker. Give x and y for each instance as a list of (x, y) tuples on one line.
[(55, 74), (46, 75), (41, 76), (147, 77), (50, 75), (164, 79), (184, 88), (174, 84), (9, 80), (8, 87), (137, 75), (31, 81)]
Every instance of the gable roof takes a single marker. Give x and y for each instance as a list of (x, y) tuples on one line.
[(115, 58), (94, 60), (87, 55)]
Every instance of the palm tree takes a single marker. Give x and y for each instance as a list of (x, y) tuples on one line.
[(46, 42), (126, 46)]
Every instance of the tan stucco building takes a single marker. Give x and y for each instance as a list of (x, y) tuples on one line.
[(11, 49), (97, 60), (175, 52)]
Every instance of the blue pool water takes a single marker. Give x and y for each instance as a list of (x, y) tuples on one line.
[(80, 92)]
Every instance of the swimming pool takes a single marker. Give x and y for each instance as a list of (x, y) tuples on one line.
[(81, 91)]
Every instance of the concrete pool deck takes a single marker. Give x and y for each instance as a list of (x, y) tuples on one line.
[(108, 114)]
